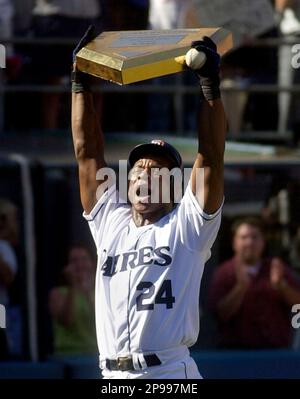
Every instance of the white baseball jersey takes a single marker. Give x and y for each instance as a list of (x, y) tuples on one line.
[(148, 278)]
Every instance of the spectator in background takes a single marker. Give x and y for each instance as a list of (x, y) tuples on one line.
[(8, 261), (253, 296), (72, 305), (65, 19)]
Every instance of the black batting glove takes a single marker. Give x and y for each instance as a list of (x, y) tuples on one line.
[(209, 73), (82, 81)]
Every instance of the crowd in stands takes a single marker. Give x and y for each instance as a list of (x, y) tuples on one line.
[(72, 305), (50, 65), (252, 294)]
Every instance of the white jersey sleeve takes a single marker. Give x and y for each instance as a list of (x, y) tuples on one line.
[(109, 209), (197, 230)]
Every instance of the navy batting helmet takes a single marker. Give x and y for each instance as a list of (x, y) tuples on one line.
[(155, 147)]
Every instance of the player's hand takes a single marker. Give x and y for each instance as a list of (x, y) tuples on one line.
[(209, 73), (211, 67), (80, 80)]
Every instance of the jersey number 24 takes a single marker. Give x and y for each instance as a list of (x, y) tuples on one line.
[(163, 295)]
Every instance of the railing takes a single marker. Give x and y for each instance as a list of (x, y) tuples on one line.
[(178, 89)]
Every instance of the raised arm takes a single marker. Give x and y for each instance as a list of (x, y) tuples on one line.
[(211, 135), (88, 146), (87, 134)]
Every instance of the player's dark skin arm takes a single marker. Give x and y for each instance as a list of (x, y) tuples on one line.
[(88, 146), (211, 145), (209, 163)]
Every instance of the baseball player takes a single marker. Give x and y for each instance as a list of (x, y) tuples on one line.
[(150, 255)]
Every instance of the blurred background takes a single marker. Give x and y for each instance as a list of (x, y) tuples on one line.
[(45, 246)]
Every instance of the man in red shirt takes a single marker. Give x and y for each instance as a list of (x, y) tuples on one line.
[(252, 296)]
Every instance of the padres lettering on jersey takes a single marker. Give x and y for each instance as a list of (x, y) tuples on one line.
[(144, 256), (148, 278)]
